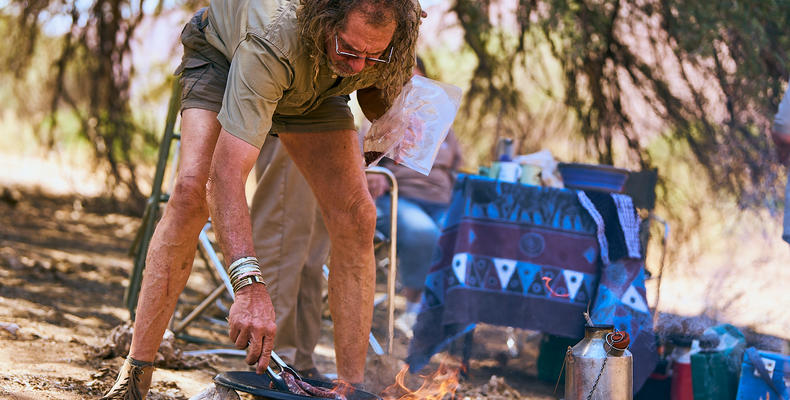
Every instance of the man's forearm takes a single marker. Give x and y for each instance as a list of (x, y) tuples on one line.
[(233, 160), (251, 318), (231, 218)]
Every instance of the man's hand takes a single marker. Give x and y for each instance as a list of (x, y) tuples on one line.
[(251, 324), (377, 185)]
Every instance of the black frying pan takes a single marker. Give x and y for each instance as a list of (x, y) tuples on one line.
[(258, 385)]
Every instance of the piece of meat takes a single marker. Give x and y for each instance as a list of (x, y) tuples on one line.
[(293, 387), (319, 391)]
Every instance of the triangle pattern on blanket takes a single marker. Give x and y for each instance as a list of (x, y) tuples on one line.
[(460, 262), (515, 284), (536, 287), (476, 272), (633, 299), (491, 277), (505, 269), (582, 295), (559, 286), (574, 280), (526, 273)]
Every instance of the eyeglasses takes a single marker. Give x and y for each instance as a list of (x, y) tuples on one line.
[(352, 55)]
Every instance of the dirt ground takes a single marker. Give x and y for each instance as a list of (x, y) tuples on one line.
[(63, 270), (64, 266)]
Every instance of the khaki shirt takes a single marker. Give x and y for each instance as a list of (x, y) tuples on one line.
[(270, 73)]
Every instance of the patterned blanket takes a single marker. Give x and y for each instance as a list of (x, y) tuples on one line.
[(526, 257)]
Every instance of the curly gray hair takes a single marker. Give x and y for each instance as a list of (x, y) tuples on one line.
[(319, 19)]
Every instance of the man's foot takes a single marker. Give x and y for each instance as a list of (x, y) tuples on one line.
[(134, 380)]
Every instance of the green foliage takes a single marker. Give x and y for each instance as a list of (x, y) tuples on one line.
[(709, 73), (540, 120), (578, 76), (687, 87), (85, 73)]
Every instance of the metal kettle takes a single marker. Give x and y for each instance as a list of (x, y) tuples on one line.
[(599, 367)]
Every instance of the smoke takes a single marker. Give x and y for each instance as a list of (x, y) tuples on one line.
[(670, 326)]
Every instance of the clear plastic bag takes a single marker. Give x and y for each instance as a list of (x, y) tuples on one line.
[(413, 129)]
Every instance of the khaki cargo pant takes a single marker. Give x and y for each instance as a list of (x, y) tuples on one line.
[(292, 244)]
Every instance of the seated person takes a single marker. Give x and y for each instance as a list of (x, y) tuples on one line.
[(422, 202)]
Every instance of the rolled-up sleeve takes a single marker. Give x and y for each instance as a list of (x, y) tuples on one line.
[(258, 76), (782, 118)]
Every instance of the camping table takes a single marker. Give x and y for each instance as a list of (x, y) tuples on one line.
[(527, 257)]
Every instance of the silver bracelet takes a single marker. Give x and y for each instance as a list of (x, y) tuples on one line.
[(242, 261), (243, 269), (246, 281)]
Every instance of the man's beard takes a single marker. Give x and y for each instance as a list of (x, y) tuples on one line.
[(338, 71)]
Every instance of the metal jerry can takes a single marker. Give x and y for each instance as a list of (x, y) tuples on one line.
[(599, 367)]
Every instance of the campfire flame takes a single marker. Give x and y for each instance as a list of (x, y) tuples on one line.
[(436, 386), (342, 389)]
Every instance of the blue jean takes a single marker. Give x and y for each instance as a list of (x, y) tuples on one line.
[(786, 224), (419, 225)]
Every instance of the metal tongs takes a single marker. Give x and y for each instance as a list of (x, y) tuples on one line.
[(276, 378)]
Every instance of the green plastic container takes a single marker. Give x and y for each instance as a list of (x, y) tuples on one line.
[(716, 368)]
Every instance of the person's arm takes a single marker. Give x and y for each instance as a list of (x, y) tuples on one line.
[(256, 82), (251, 318), (371, 101), (377, 185)]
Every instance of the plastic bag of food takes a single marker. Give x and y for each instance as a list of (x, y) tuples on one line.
[(414, 127)]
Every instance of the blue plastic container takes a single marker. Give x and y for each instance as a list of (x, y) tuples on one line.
[(753, 386)]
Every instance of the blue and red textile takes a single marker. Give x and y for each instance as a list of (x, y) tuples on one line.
[(527, 257)]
